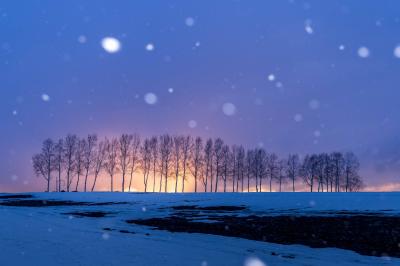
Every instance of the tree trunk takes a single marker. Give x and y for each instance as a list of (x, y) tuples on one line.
[(94, 182), (77, 183), (123, 181), (86, 177), (112, 182), (130, 181), (293, 184)]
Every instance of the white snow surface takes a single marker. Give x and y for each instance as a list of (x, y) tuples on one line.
[(46, 236)]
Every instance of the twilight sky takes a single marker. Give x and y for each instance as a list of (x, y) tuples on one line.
[(291, 75)]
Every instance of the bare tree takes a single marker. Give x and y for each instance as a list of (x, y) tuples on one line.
[(166, 146), (281, 172), (186, 147), (154, 157), (100, 156), (208, 158), (219, 143), (43, 163), (272, 168), (59, 161), (293, 168), (124, 146), (225, 164), (337, 161), (70, 145), (196, 163), (134, 154), (145, 152), (177, 158), (240, 157), (111, 164), (249, 167), (260, 167), (351, 167), (309, 170), (79, 153), (88, 156)]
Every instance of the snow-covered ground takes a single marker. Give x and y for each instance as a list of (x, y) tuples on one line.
[(48, 236)]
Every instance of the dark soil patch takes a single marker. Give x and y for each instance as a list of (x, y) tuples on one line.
[(126, 232), (92, 214), (210, 208), (16, 196), (51, 203), (368, 235)]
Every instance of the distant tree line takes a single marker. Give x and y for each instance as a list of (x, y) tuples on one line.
[(72, 163)]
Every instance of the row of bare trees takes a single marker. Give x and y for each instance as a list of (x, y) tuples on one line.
[(72, 162)]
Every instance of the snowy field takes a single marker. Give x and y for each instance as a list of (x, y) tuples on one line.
[(59, 235)]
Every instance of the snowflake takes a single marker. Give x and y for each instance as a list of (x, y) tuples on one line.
[(150, 98), (271, 77), (82, 39), (45, 97), (298, 117), (105, 236), (111, 44), (363, 52), (396, 51), (341, 47), (189, 21), (313, 104), (192, 124), (229, 109), (254, 262), (307, 27), (317, 133), (150, 47)]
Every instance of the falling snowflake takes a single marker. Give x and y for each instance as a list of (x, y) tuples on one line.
[(105, 236), (229, 109), (317, 133), (150, 47), (298, 117), (307, 27), (363, 52), (150, 98), (144, 209), (197, 44), (279, 84), (341, 47), (14, 112), (45, 97), (254, 262), (271, 77), (396, 51), (170, 90), (82, 39), (14, 177), (189, 21), (313, 104), (192, 124), (111, 44)]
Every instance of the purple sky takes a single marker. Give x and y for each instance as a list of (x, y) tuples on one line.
[(294, 76)]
